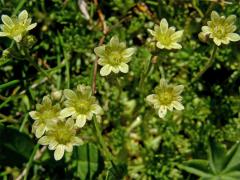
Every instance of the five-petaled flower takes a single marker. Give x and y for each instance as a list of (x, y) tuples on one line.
[(45, 115), (221, 29), (114, 56), (16, 27), (80, 105), (165, 36), (166, 97), (61, 137)]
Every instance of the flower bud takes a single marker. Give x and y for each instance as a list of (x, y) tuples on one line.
[(29, 41), (202, 37), (56, 95)]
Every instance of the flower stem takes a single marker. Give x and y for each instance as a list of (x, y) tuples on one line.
[(120, 89), (208, 65), (101, 142), (29, 164), (144, 74)]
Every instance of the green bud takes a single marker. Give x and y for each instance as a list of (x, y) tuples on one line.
[(29, 41)]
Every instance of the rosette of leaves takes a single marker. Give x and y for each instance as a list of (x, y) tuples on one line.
[(221, 164)]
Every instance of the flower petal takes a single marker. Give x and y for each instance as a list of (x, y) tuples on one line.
[(70, 123), (46, 101), (81, 120), (153, 33), (59, 152), (179, 89), (162, 111), (30, 27), (214, 16), (177, 35), (128, 52), (102, 61), (230, 19), (159, 45), (34, 115), (52, 145), (114, 41), (124, 67), (3, 34), (225, 40), (163, 83), (66, 112), (7, 21), (69, 94), (44, 140), (217, 41), (175, 46), (177, 105), (206, 30), (115, 69), (96, 109), (105, 70), (18, 38), (151, 98), (100, 51), (69, 147), (164, 25), (40, 130), (77, 141), (23, 16), (233, 37), (89, 116)]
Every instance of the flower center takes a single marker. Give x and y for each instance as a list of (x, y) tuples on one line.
[(48, 114), (164, 39), (165, 98), (115, 58), (82, 107), (17, 29), (219, 31), (64, 135)]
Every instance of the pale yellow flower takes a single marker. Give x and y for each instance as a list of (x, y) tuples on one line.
[(114, 57), (16, 27), (80, 105), (61, 137), (45, 115), (221, 29), (166, 37), (166, 97)]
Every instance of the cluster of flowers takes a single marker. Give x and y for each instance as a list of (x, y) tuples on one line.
[(57, 127), (61, 115), (115, 56)]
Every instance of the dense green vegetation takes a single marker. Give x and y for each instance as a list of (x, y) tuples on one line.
[(127, 139)]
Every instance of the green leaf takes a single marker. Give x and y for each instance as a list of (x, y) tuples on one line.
[(9, 84), (15, 147), (198, 167), (216, 155), (231, 161), (233, 174), (89, 161), (117, 172)]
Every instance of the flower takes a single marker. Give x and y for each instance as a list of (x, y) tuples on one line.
[(16, 27), (80, 104), (221, 29), (165, 36), (45, 115), (60, 137), (166, 97), (114, 56)]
